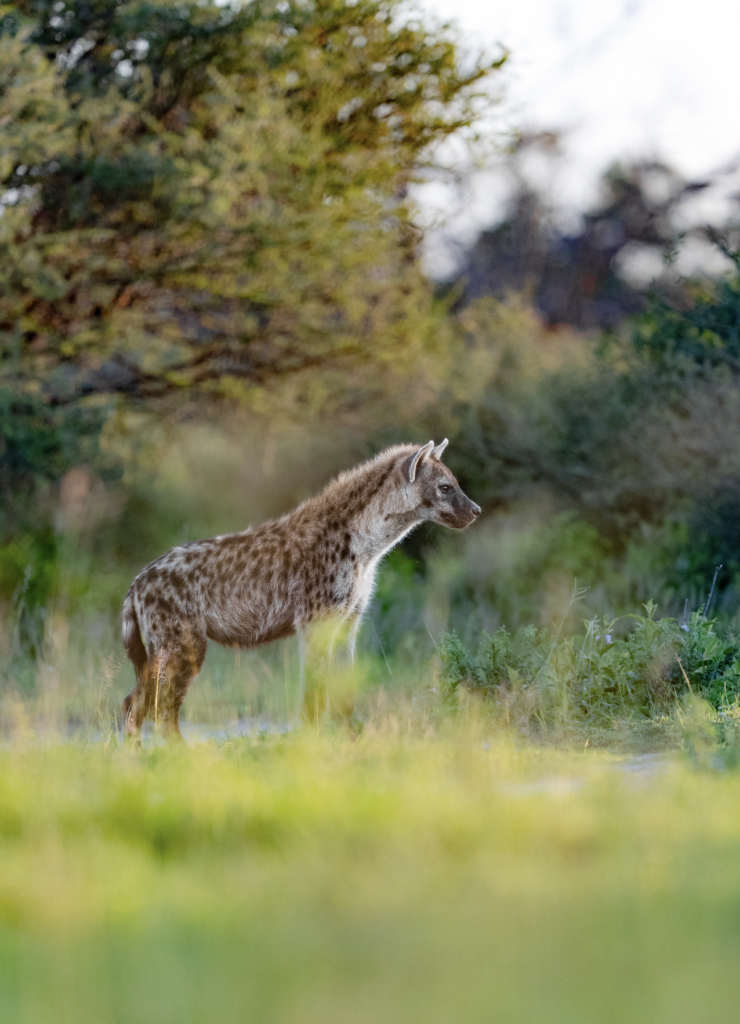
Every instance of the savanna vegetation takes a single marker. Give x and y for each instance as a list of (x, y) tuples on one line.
[(211, 299)]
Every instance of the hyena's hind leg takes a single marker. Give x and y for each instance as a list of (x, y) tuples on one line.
[(162, 683), (139, 703), (184, 662)]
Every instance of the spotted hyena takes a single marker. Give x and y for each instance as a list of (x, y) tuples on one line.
[(308, 571)]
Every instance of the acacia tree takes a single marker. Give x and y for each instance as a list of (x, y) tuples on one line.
[(201, 197)]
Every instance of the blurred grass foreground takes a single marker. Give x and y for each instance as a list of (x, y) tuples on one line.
[(401, 877)]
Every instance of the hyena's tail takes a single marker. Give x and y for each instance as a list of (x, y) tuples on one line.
[(134, 706), (132, 636)]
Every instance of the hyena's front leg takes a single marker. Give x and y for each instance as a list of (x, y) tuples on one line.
[(313, 662), (328, 677), (344, 680)]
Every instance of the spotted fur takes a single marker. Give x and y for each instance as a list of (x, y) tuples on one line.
[(314, 564)]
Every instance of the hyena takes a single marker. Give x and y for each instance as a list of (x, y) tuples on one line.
[(315, 565)]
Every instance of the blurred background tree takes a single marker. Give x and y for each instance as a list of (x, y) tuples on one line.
[(211, 200), (210, 197), (593, 274)]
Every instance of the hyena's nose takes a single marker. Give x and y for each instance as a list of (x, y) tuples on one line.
[(475, 509)]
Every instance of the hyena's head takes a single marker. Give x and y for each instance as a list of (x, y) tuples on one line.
[(437, 495)]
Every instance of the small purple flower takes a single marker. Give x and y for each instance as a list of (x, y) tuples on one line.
[(685, 628)]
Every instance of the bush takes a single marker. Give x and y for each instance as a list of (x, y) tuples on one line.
[(634, 436), (598, 675)]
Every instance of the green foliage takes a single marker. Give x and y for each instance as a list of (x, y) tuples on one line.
[(28, 574), (636, 436), (213, 197), (38, 444), (598, 674), (500, 659), (705, 335)]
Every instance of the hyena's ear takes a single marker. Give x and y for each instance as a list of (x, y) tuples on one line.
[(413, 462), (437, 453)]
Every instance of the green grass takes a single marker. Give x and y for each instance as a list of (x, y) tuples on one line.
[(480, 850), (411, 874)]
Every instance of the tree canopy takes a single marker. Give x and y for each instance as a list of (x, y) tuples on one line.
[(208, 197)]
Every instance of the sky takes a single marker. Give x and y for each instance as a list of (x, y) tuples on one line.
[(622, 79)]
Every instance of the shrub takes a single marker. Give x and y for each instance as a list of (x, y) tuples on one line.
[(598, 675)]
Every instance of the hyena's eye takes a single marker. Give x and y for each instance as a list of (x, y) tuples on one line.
[(445, 488)]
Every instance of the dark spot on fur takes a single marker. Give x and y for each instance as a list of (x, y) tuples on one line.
[(176, 580)]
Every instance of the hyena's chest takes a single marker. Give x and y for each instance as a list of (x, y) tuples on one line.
[(361, 589), (342, 586)]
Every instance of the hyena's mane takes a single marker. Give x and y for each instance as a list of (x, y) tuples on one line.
[(351, 491)]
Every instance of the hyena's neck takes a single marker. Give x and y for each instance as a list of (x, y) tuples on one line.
[(380, 527), (368, 504), (372, 540)]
